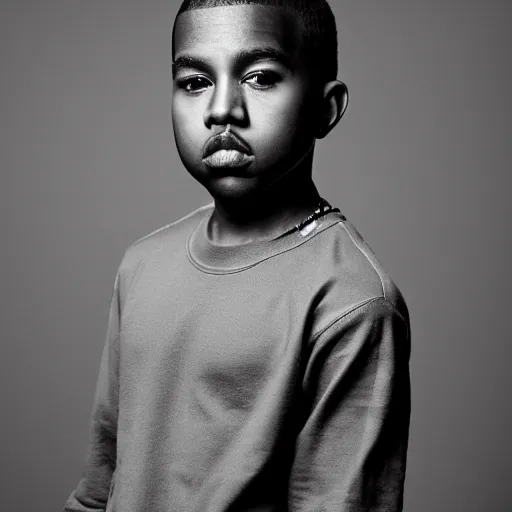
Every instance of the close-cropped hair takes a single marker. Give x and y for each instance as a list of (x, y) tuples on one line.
[(320, 35)]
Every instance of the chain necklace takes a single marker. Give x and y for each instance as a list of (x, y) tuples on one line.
[(323, 207)]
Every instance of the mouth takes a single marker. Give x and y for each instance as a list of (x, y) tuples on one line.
[(227, 150), (228, 158)]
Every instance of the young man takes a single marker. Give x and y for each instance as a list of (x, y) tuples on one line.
[(257, 353)]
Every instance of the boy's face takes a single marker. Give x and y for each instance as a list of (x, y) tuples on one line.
[(241, 104)]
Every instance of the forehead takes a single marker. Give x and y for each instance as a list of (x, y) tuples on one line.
[(239, 27)]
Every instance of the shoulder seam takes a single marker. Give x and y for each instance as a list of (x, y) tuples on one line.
[(358, 245), (342, 316), (354, 309)]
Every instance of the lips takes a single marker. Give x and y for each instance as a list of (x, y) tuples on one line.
[(227, 150)]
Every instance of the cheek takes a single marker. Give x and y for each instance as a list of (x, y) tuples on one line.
[(188, 127), (281, 121)]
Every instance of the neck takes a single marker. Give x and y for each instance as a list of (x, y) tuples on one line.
[(268, 214)]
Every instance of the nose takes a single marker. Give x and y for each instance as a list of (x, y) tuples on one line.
[(226, 105)]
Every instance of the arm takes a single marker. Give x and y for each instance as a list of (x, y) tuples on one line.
[(93, 489), (351, 451)]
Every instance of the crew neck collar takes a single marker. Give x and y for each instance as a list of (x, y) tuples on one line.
[(226, 259)]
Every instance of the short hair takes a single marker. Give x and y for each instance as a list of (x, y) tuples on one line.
[(321, 39)]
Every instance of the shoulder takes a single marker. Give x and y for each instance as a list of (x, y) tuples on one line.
[(354, 281), (361, 304), (166, 239), (167, 234), (377, 280)]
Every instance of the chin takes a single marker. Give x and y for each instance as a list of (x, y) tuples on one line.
[(231, 187)]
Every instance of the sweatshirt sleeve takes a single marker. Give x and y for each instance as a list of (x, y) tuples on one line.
[(351, 451), (93, 490)]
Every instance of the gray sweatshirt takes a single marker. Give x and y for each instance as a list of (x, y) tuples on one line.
[(268, 376)]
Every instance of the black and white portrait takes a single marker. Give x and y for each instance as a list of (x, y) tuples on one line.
[(256, 255)]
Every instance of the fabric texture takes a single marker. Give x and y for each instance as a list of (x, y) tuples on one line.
[(270, 376)]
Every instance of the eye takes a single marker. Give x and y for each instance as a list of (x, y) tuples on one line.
[(193, 84), (263, 79)]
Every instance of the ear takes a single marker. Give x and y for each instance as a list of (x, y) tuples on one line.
[(333, 105)]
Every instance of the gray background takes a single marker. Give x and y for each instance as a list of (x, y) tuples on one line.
[(420, 164)]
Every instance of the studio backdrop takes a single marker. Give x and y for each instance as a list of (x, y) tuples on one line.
[(421, 159)]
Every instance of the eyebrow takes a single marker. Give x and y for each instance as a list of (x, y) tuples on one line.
[(242, 59)]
